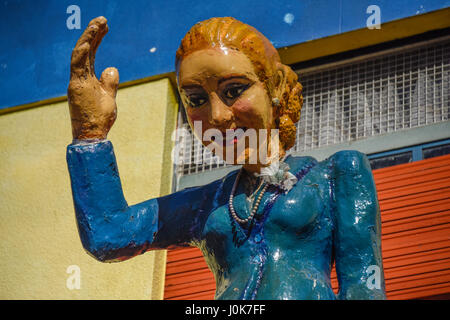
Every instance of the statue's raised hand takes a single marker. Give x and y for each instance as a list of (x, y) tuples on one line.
[(92, 102)]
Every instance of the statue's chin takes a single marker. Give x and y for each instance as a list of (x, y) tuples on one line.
[(248, 156)]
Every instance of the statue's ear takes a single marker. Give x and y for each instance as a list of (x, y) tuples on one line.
[(279, 83)]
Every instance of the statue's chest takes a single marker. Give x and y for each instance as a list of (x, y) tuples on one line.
[(279, 217), (296, 212)]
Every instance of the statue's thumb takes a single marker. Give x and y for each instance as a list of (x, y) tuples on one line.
[(110, 80)]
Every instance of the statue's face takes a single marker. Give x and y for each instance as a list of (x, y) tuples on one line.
[(220, 89)]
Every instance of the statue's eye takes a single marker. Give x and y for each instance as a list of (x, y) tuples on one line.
[(197, 100), (233, 91)]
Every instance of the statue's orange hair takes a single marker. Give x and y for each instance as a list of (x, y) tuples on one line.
[(232, 34)]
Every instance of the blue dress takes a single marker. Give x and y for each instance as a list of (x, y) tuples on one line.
[(330, 215)]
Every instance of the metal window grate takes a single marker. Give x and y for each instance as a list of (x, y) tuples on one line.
[(354, 100)]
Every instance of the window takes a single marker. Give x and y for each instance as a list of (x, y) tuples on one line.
[(436, 151), (409, 154), (389, 161)]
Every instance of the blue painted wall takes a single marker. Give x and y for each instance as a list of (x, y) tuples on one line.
[(35, 44)]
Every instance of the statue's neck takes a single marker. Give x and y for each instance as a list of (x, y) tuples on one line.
[(253, 169)]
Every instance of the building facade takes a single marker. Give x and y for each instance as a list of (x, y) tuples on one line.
[(376, 78)]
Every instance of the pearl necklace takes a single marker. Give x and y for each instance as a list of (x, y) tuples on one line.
[(255, 207)]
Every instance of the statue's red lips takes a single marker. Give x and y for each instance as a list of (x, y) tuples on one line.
[(232, 136)]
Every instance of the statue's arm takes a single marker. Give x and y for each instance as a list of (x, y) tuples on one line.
[(109, 229), (357, 233)]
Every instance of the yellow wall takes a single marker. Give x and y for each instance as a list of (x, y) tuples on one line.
[(38, 233)]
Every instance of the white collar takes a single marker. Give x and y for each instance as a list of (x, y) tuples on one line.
[(278, 174)]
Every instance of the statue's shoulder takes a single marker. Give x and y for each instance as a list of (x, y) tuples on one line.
[(348, 161), (345, 161), (297, 164)]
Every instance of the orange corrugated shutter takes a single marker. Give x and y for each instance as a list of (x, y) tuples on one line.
[(415, 212)]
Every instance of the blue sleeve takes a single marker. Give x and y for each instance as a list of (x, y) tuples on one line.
[(357, 232), (109, 229)]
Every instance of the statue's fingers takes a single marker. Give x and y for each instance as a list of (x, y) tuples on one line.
[(102, 30), (78, 66), (88, 34), (110, 80), (88, 39), (91, 30)]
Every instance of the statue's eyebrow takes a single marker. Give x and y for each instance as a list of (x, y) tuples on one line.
[(232, 76), (191, 87), (195, 86)]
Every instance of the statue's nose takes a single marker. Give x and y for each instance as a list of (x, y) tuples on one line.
[(220, 114)]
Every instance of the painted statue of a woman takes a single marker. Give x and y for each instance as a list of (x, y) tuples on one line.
[(270, 230)]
